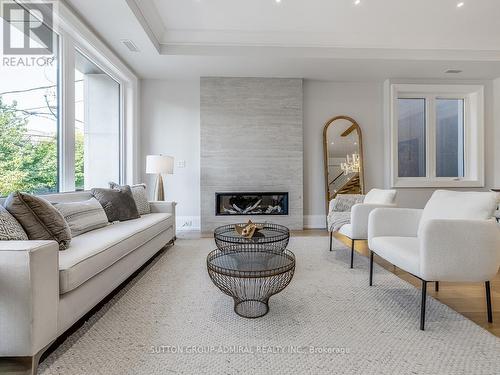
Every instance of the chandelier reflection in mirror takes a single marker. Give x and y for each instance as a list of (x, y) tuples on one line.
[(351, 165)]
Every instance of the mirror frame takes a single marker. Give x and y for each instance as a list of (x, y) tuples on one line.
[(325, 153)]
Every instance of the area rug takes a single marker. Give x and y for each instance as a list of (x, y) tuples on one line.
[(171, 319)]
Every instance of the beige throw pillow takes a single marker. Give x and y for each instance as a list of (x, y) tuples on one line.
[(83, 217)]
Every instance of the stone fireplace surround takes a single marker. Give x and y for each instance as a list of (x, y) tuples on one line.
[(251, 141)]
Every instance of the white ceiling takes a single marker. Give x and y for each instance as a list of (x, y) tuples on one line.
[(315, 39), (421, 24)]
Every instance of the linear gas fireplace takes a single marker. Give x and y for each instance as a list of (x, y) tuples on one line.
[(251, 203)]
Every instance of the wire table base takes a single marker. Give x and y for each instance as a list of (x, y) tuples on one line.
[(251, 274)]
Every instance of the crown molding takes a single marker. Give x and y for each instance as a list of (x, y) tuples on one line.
[(328, 53), (147, 15), (351, 39), (285, 44)]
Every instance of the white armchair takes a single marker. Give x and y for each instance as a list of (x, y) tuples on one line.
[(454, 238), (357, 229)]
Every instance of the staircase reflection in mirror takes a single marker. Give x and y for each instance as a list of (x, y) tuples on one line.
[(343, 157)]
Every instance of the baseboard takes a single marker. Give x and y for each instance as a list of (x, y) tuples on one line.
[(188, 223), (193, 223), (314, 222)]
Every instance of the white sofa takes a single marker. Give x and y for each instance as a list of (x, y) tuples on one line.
[(454, 238), (44, 291)]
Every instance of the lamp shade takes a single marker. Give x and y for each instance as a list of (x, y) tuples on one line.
[(158, 164)]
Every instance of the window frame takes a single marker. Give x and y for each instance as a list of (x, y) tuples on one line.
[(67, 146), (91, 45), (67, 122), (473, 96), (74, 35)]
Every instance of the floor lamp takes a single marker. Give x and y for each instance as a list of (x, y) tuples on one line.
[(158, 165)]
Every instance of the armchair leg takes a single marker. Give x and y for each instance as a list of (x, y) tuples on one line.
[(488, 301), (352, 253), (371, 268), (422, 306), (331, 239), (436, 286)]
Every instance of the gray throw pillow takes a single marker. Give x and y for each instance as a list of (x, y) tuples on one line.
[(83, 216), (39, 219), (344, 202), (140, 197), (118, 204), (10, 229)]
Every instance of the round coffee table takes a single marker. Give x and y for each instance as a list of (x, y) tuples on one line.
[(272, 234), (251, 274)]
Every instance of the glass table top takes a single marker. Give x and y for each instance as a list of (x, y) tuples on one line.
[(249, 262)]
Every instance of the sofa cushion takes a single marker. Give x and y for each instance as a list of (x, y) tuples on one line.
[(82, 217), (39, 219), (93, 252), (448, 204), (118, 204)]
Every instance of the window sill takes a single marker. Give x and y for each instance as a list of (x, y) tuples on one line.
[(436, 183)]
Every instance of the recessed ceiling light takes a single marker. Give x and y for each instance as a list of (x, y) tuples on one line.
[(357, 2), (278, 1), (460, 4)]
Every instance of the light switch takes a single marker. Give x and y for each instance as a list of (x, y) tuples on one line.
[(181, 164)]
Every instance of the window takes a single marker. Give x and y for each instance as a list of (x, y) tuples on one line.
[(437, 135), (29, 124), (97, 126), (411, 138), (62, 116), (450, 137)]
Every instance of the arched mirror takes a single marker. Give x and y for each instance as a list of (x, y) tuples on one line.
[(343, 151)]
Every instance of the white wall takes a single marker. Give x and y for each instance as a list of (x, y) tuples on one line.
[(365, 103), (171, 126), (322, 101)]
